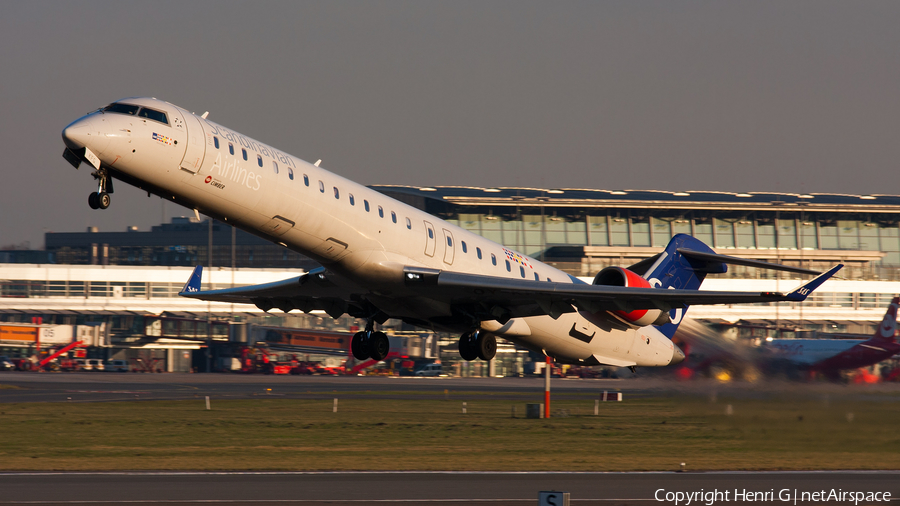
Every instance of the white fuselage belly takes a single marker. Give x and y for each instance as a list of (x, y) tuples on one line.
[(810, 351), (369, 247)]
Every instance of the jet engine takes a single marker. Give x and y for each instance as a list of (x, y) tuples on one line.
[(617, 276)]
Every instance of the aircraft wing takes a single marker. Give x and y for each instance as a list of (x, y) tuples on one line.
[(483, 297), (504, 298), (307, 292)]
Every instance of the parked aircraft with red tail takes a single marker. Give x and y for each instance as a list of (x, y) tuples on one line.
[(830, 355)]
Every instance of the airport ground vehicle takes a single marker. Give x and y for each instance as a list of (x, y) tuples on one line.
[(6, 364), (116, 366), (431, 370)]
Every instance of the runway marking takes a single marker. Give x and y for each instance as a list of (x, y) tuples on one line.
[(231, 501), (286, 501), (105, 392), (461, 473)]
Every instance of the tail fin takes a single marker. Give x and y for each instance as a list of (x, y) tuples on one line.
[(671, 269), (887, 330), (193, 282)]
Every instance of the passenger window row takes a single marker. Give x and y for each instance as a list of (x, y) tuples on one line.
[(367, 207), (259, 158)]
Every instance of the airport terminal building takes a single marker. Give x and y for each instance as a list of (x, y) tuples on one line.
[(96, 276)]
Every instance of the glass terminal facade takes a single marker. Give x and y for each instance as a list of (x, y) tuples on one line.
[(541, 223)]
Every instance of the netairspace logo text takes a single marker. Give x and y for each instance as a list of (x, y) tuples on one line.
[(786, 495)]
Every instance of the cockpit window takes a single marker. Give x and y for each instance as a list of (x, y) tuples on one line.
[(122, 108), (154, 115)]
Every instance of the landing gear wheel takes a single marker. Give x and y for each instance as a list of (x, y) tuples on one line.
[(94, 200), (467, 347), (485, 346), (103, 200), (358, 346), (379, 346)]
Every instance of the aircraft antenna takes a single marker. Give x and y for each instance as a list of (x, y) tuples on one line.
[(318, 162), (204, 115)]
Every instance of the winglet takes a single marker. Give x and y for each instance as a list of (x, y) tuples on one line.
[(800, 293), (193, 283)]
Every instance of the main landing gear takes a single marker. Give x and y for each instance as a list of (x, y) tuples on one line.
[(477, 344), (100, 199), (368, 344)]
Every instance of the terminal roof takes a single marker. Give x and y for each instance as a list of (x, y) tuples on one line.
[(473, 195)]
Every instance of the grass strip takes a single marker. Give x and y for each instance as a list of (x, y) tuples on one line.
[(651, 433)]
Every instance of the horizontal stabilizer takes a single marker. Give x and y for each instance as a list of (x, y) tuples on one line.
[(725, 259)]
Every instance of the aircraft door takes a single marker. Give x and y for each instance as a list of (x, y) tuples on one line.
[(450, 247), (430, 239), (196, 144)]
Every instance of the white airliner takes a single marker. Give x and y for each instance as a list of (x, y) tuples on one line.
[(384, 259)]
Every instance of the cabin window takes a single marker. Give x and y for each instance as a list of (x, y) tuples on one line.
[(393, 216), (352, 200), (408, 224), (493, 259), (130, 110), (380, 212), (465, 250), (449, 241), (154, 115), (478, 252), (305, 179), (216, 141), (231, 148), (321, 186), (244, 153), (337, 193), (275, 168), (259, 162), (290, 173), (536, 277), (522, 271), (430, 234), (366, 205), (508, 266)]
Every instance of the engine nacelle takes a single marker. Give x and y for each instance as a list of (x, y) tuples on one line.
[(617, 276)]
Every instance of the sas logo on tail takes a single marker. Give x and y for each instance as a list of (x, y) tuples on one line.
[(168, 141)]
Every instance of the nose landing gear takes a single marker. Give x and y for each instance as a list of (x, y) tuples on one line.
[(100, 199), (477, 344)]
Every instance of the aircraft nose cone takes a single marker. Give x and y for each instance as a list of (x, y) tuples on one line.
[(677, 355), (85, 133), (76, 134)]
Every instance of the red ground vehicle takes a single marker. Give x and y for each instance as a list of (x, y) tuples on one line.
[(54, 362)]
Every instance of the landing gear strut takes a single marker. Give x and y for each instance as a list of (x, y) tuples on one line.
[(100, 199), (477, 344), (370, 344)]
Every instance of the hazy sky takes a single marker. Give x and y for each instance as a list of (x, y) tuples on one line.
[(738, 96)]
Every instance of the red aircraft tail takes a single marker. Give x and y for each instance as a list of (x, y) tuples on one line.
[(887, 329)]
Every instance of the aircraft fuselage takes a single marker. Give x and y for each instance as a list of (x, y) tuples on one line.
[(363, 236)]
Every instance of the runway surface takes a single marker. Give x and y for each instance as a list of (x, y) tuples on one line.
[(431, 488), (90, 387), (99, 387)]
